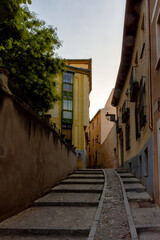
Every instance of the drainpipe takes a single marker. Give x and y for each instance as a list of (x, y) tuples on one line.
[(149, 70), (117, 139)]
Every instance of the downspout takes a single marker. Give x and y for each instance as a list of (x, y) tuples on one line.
[(117, 140), (149, 69)]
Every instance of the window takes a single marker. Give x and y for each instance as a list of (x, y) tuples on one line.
[(134, 84), (142, 50), (140, 166), (142, 23), (146, 162), (130, 166), (67, 105), (125, 111), (92, 125), (67, 131), (67, 115), (136, 58), (67, 87), (137, 121), (67, 98), (127, 136), (142, 107), (68, 82), (68, 78)]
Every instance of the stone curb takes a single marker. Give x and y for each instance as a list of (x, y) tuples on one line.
[(98, 212), (132, 227)]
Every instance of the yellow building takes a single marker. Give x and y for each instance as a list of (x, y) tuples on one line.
[(132, 96), (71, 114)]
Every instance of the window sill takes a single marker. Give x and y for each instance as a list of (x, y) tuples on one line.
[(158, 64)]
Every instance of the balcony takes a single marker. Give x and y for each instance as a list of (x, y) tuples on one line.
[(134, 85), (118, 126), (125, 111)]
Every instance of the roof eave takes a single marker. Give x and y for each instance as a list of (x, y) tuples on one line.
[(129, 35)]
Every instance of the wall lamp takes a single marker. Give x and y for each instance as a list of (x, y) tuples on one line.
[(96, 140), (110, 117)]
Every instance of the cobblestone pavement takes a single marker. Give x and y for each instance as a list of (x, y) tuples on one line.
[(113, 222)]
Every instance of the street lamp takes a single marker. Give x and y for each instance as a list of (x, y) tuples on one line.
[(110, 117), (96, 140)]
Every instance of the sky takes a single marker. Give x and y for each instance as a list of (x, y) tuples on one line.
[(88, 29)]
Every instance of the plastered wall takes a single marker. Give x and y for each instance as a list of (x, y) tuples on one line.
[(32, 157)]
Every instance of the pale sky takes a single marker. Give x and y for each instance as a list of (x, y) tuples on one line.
[(88, 29)]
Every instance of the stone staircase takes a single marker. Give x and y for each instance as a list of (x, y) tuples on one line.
[(67, 212), (146, 214)]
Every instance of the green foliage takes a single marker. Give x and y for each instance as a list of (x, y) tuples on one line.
[(27, 49)]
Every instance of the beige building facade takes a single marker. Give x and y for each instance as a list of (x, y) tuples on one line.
[(155, 79), (108, 150), (132, 96), (99, 129)]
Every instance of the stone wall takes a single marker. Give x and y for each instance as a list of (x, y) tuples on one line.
[(33, 158)]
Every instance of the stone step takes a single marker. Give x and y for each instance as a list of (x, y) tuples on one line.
[(70, 190), (86, 176), (145, 217), (148, 228), (83, 181), (126, 175), (69, 198), (121, 170), (50, 221), (45, 231), (136, 187), (66, 204), (147, 223), (138, 196), (88, 172), (38, 237), (130, 180), (150, 233), (79, 188)]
